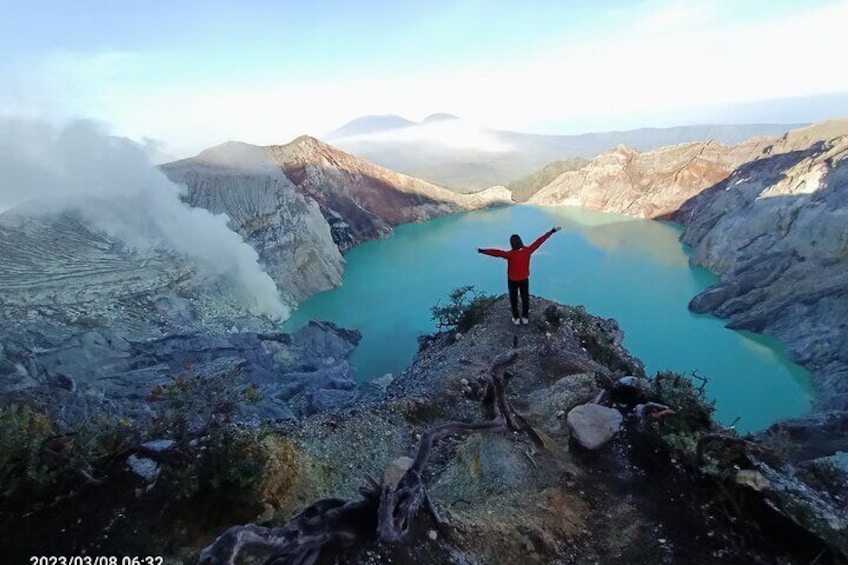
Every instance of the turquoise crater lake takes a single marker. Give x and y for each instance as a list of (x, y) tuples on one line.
[(635, 271)]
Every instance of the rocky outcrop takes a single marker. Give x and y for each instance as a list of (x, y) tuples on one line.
[(504, 496), (769, 215), (287, 230), (776, 231), (362, 201), (93, 328), (646, 185)]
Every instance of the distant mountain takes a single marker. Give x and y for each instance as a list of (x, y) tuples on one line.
[(369, 124), (439, 117), (451, 152), (652, 184)]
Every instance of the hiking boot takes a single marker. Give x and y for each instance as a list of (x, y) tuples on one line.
[(525, 321), (516, 321)]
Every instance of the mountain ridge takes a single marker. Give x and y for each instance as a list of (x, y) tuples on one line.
[(304, 203), (491, 157)]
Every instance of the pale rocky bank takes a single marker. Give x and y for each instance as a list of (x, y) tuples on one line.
[(770, 216)]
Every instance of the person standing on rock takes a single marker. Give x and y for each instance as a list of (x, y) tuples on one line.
[(518, 271)]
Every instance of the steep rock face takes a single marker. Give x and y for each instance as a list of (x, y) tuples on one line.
[(769, 215), (286, 229), (362, 201), (647, 185), (776, 230)]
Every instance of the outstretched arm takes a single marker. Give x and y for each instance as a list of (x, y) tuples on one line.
[(492, 252), (535, 245)]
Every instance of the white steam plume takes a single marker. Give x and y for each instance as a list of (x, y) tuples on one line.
[(110, 181)]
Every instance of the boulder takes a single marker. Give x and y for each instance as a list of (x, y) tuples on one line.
[(145, 468), (592, 425), (752, 479)]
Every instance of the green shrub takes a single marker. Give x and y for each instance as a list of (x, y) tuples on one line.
[(693, 414), (465, 309), (251, 394), (34, 461), (230, 469), (23, 434), (693, 410), (593, 338)]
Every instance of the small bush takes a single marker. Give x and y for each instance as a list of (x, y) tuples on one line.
[(693, 412), (230, 469), (465, 309), (242, 469), (34, 461), (23, 434), (251, 394), (594, 339)]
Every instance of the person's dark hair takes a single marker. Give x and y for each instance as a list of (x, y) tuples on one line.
[(515, 241)]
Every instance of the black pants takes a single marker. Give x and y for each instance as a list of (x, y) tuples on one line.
[(524, 288)]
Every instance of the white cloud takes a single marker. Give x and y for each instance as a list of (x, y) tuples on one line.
[(454, 134), (109, 181), (683, 55)]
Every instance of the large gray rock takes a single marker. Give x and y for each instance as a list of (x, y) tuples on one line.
[(592, 425)]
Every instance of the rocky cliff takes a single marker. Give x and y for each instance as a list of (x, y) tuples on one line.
[(669, 489), (361, 200), (776, 230), (646, 185), (92, 329), (285, 227), (92, 324), (769, 215)]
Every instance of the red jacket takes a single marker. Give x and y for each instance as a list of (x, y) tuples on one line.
[(518, 260)]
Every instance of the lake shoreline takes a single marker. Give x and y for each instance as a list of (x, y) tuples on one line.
[(611, 233)]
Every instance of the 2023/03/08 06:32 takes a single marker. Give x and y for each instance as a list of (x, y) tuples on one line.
[(95, 560)]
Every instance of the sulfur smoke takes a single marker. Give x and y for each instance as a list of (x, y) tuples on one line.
[(109, 180)]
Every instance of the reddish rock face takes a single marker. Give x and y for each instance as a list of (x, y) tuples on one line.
[(368, 198)]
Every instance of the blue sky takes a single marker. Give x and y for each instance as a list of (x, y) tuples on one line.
[(196, 73)]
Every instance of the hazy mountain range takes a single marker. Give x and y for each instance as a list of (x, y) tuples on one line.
[(449, 151)]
